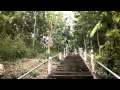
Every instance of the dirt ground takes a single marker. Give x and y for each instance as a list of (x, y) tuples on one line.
[(14, 69)]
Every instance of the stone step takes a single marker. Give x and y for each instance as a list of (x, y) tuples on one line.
[(72, 70), (70, 64), (73, 67), (71, 76), (71, 73)]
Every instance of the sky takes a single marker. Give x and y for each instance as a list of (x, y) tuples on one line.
[(68, 13), (70, 16)]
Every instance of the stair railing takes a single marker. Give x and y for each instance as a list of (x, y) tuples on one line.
[(97, 62), (66, 51), (49, 60)]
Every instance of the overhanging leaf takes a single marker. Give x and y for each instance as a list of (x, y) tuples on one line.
[(98, 26)]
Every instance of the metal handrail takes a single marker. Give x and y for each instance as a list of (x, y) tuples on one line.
[(114, 74), (108, 70), (54, 56), (88, 55), (36, 67), (32, 69)]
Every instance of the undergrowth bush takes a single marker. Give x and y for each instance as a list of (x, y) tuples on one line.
[(12, 49), (31, 53)]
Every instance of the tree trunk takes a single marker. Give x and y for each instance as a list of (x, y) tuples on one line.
[(35, 13), (49, 38), (49, 42), (58, 47), (85, 50), (98, 41)]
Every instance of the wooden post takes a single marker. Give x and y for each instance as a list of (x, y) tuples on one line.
[(49, 65), (60, 56), (92, 60)]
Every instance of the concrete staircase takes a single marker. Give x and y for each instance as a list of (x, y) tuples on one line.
[(73, 67)]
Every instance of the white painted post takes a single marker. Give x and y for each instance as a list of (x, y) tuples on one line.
[(60, 56), (64, 52), (82, 52), (68, 51), (49, 65), (79, 50), (2, 69), (92, 60), (75, 51), (85, 58)]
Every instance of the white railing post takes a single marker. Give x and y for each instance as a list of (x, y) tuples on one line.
[(92, 60), (68, 51), (79, 51), (2, 69), (82, 52), (60, 56), (49, 65), (75, 51), (85, 58), (64, 52)]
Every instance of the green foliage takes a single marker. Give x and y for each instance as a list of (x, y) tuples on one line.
[(116, 16), (110, 53), (6, 48), (20, 47), (31, 53), (11, 49), (17, 27), (97, 27), (113, 34), (107, 25)]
